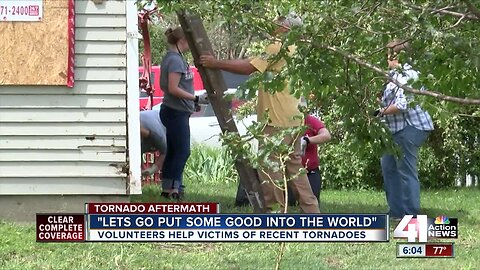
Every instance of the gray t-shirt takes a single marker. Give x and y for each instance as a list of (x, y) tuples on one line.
[(157, 139), (174, 62)]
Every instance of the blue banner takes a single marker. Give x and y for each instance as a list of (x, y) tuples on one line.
[(239, 221)]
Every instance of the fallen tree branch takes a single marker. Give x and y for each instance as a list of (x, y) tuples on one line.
[(456, 24), (444, 8), (468, 115), (465, 101)]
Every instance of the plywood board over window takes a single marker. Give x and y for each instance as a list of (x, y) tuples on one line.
[(42, 52)]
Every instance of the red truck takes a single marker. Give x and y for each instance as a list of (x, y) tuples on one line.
[(155, 82)]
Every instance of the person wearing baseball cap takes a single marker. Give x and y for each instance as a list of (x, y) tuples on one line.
[(281, 109)]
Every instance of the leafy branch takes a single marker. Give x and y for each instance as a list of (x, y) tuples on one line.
[(383, 73), (446, 11)]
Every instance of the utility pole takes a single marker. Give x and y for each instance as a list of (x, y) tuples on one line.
[(215, 86)]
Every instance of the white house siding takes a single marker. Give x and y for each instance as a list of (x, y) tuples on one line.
[(61, 141)]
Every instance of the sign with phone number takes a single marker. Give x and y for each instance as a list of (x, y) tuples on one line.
[(21, 10)]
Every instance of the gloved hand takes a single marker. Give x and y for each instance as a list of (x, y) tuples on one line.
[(151, 170), (202, 99), (197, 107), (378, 113), (304, 142)]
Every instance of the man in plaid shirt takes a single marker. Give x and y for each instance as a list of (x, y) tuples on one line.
[(410, 126)]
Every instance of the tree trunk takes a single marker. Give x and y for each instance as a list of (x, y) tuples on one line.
[(215, 86)]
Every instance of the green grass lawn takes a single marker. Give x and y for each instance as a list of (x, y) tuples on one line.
[(18, 249)]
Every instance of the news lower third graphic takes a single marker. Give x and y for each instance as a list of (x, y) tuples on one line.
[(203, 222), (237, 227), (425, 250), (60, 228), (422, 228), (197, 222)]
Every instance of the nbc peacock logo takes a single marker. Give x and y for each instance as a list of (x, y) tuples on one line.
[(442, 220), (443, 227)]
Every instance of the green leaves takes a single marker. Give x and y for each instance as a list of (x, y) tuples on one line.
[(210, 165), (444, 51)]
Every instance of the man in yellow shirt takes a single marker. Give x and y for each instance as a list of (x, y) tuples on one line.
[(282, 109)]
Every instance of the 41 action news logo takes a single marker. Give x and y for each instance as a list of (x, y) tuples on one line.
[(422, 228)]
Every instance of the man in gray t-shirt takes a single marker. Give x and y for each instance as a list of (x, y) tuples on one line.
[(174, 62), (153, 137)]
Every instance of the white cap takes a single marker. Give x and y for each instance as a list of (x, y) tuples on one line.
[(293, 19), (290, 20)]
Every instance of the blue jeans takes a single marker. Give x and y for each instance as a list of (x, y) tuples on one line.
[(400, 176), (178, 147)]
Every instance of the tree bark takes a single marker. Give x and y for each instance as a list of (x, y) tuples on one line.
[(215, 86)]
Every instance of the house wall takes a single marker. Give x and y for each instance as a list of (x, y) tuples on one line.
[(59, 141)]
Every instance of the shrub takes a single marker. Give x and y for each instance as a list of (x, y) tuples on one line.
[(210, 164)]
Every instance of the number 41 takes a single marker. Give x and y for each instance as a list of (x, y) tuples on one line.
[(416, 227)]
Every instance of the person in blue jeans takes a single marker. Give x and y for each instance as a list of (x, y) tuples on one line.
[(410, 126), (179, 102)]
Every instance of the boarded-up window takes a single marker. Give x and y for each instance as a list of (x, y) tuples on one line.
[(42, 52)]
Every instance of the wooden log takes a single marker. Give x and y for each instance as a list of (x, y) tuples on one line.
[(215, 86)]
